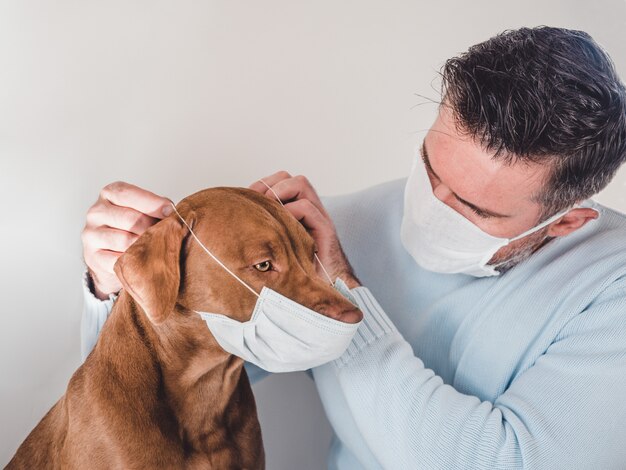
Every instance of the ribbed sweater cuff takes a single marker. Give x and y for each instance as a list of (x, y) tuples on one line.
[(376, 324)]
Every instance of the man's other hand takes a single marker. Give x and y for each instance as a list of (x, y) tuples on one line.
[(302, 201), (119, 216)]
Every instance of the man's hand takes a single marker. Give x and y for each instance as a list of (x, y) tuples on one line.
[(302, 201), (119, 216)]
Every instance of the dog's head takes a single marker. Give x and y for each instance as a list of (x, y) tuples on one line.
[(255, 237)]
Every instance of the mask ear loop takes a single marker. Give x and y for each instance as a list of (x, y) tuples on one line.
[(316, 257), (212, 255)]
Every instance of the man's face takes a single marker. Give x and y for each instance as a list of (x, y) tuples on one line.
[(494, 195)]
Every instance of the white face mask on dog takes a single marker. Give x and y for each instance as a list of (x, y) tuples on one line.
[(442, 240), (281, 335)]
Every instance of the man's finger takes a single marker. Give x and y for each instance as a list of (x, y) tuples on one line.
[(108, 239), (104, 260), (270, 180), (310, 216), (297, 187), (122, 218), (128, 195)]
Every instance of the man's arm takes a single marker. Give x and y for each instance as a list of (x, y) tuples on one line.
[(566, 411), (95, 313)]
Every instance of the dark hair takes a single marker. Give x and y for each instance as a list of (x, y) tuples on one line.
[(543, 95)]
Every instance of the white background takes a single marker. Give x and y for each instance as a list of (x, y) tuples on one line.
[(178, 96)]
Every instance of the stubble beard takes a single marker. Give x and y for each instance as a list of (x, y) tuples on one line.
[(513, 256)]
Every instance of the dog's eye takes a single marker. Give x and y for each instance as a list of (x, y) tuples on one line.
[(264, 266)]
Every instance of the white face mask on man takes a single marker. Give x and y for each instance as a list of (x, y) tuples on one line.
[(440, 239)]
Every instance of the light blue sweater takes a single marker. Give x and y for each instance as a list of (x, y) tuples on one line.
[(524, 370)]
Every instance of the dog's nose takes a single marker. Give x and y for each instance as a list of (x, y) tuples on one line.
[(353, 315), (340, 312)]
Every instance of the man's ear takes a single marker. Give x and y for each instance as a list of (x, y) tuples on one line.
[(149, 270), (572, 221)]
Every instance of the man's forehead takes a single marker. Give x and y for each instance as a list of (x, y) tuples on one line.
[(474, 175)]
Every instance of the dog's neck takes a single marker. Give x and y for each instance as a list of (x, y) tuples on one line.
[(188, 375)]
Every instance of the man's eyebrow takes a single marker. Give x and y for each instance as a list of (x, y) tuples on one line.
[(484, 212)]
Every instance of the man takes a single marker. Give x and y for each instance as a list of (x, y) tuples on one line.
[(495, 309)]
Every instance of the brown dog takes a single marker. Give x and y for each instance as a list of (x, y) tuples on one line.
[(158, 391)]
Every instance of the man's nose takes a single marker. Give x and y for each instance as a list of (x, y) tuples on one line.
[(442, 192)]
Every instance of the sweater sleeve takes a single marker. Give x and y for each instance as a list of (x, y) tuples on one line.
[(95, 313), (566, 411)]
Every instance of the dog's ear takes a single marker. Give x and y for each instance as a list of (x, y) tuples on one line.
[(149, 270)]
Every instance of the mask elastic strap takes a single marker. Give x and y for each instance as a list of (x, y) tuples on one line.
[(544, 223), (213, 256), (316, 257)]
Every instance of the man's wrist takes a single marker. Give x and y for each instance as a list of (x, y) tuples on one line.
[(93, 287)]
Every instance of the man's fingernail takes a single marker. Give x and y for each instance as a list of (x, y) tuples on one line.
[(167, 210)]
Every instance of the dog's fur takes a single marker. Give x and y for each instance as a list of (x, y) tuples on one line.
[(158, 391)]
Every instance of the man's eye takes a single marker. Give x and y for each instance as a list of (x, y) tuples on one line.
[(264, 266), (480, 213)]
